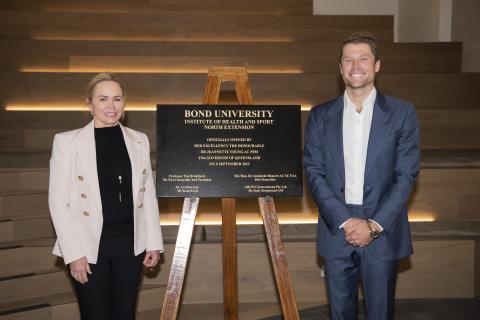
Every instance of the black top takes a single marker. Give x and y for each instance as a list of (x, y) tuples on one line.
[(115, 180)]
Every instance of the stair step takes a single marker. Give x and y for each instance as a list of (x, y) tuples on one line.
[(441, 129), (434, 158), (16, 203), (21, 159), (24, 179), (442, 193), (439, 91), (27, 139), (34, 256), (63, 306), (445, 159), (26, 228), (165, 6), (21, 259), (184, 57), (29, 287), (212, 27), (32, 312), (28, 179)]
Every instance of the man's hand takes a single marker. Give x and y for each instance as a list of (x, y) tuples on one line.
[(357, 232)]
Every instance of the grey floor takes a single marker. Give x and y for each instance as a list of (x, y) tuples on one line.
[(410, 309)]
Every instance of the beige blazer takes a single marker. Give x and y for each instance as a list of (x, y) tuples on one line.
[(74, 194)]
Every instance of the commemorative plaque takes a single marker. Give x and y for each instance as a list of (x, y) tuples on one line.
[(229, 151)]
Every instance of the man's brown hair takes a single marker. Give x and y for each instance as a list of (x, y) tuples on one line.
[(361, 37)]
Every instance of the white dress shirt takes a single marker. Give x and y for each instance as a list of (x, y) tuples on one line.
[(356, 131)]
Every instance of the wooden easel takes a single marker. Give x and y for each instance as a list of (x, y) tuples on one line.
[(229, 228)]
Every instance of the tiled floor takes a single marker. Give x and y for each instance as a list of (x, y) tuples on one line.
[(410, 309)]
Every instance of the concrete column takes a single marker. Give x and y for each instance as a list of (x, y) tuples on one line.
[(466, 28)]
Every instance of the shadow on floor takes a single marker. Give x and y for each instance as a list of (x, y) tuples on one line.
[(409, 309)]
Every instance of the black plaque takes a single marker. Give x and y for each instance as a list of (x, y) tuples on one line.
[(228, 151)]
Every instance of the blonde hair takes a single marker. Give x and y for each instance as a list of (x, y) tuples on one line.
[(104, 76)]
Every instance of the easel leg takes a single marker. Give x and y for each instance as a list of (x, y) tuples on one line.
[(279, 259), (229, 233), (180, 259)]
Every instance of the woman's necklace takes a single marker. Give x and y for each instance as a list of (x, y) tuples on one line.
[(120, 188)]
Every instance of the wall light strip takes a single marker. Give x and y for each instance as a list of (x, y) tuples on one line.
[(247, 219), (213, 38), (68, 108), (19, 107), (151, 70)]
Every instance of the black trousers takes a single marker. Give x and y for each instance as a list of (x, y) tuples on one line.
[(112, 288)]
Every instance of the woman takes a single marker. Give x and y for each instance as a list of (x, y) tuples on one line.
[(103, 205)]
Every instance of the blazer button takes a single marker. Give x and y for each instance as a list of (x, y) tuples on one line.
[(83, 195), (86, 213), (144, 171), (80, 178), (142, 189), (140, 205)]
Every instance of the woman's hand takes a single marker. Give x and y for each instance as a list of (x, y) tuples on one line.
[(151, 258), (79, 269)]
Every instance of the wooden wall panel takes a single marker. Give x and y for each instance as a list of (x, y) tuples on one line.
[(438, 269), (439, 129), (194, 56), (11, 180), (148, 26), (165, 6), (440, 193), (477, 269), (439, 91)]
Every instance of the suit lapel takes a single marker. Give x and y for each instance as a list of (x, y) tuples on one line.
[(134, 147), (334, 134), (379, 131), (87, 156)]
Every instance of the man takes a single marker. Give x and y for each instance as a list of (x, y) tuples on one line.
[(362, 157)]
